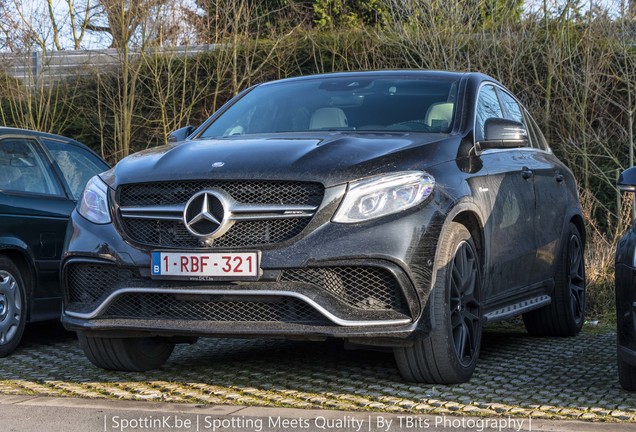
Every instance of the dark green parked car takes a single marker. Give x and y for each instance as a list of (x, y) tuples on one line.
[(41, 178)]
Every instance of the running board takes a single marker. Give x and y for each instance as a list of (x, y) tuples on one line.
[(517, 309)]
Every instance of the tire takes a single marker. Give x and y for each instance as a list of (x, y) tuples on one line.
[(126, 354), (565, 315), (626, 374), (13, 306), (449, 354)]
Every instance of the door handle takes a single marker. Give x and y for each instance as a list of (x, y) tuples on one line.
[(526, 173), (559, 178)]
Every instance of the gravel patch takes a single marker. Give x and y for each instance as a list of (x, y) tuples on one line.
[(517, 375)]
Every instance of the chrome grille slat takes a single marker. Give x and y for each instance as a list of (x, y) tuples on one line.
[(238, 212)]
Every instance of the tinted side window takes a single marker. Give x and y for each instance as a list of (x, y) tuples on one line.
[(77, 164), (512, 107), (23, 168), (487, 107), (538, 140)]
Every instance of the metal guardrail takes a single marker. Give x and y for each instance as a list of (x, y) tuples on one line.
[(55, 65)]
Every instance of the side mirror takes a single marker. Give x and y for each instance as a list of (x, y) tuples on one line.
[(627, 180), (503, 133), (181, 134)]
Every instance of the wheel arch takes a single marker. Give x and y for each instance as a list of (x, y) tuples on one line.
[(577, 220), (469, 215), (472, 223), (20, 257)]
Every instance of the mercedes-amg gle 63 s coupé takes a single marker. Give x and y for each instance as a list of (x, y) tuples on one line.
[(396, 209)]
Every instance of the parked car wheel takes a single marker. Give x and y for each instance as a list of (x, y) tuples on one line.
[(565, 315), (626, 374), (126, 354), (450, 354), (12, 310)]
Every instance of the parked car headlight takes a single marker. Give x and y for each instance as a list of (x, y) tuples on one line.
[(383, 195), (94, 202)]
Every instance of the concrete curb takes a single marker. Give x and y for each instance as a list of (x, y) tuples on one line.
[(114, 413)]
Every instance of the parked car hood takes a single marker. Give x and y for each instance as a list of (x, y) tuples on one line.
[(332, 158)]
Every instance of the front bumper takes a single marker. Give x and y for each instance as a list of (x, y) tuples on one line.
[(367, 283)]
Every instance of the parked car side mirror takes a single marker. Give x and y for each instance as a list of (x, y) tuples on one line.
[(181, 134), (503, 133), (627, 180)]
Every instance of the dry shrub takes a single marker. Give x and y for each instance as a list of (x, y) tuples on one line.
[(599, 256)]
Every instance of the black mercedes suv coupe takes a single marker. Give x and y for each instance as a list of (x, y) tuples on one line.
[(396, 209)]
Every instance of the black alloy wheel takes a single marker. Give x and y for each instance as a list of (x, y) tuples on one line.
[(464, 306), (576, 277), (449, 354), (565, 315)]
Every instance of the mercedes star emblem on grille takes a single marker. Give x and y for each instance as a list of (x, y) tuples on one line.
[(206, 214)]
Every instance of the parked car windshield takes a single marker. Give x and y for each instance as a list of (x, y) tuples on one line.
[(341, 103)]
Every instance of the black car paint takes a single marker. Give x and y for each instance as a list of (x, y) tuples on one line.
[(331, 158), (33, 228), (472, 188), (625, 288), (626, 297)]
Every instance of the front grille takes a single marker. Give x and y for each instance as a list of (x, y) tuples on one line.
[(252, 192), (242, 234), (366, 288), (213, 308), (172, 233)]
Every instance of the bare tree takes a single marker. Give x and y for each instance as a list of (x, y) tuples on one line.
[(124, 20), (176, 83), (44, 26), (8, 27), (79, 19)]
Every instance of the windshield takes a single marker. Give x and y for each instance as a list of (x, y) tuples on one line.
[(342, 103)]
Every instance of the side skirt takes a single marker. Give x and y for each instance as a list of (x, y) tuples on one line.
[(517, 308)]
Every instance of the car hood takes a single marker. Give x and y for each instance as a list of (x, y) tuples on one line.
[(330, 159)]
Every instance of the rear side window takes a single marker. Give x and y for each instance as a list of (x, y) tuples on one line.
[(24, 168), (77, 164), (487, 107), (538, 139), (512, 107)]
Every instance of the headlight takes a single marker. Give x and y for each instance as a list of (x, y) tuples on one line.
[(383, 195), (94, 202)]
